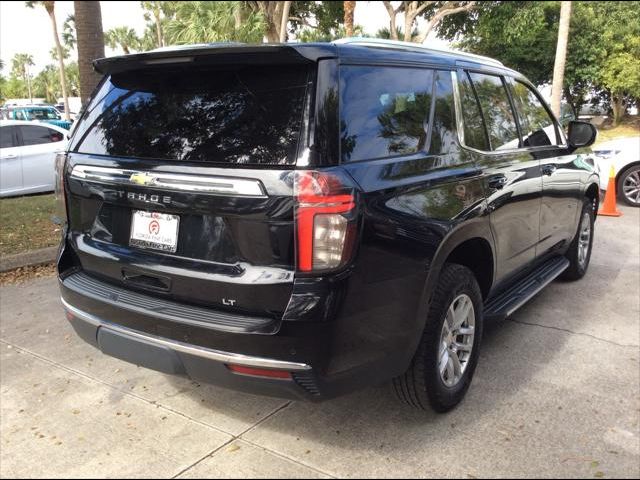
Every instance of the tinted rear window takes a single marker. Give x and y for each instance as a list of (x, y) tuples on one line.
[(244, 115)]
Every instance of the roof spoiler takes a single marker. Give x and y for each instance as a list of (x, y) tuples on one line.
[(217, 54)]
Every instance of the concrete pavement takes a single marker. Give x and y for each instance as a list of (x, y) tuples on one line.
[(556, 394)]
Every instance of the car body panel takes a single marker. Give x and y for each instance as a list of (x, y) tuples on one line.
[(29, 168), (619, 154), (353, 326)]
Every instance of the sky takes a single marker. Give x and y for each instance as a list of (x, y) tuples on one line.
[(25, 30)]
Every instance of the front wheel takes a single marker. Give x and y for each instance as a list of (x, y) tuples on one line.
[(579, 253), (442, 368)]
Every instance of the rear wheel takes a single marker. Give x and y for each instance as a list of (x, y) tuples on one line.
[(442, 368), (579, 253), (628, 186)]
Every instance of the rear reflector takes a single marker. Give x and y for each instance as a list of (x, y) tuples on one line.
[(259, 372)]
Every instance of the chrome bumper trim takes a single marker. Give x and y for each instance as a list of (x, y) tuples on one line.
[(216, 355)]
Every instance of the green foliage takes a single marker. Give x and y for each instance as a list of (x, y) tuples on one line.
[(385, 33), (13, 87), (69, 32), (202, 22), (122, 37), (66, 52), (322, 18), (20, 64), (47, 84), (602, 54)]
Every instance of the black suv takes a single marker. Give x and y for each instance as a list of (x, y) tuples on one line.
[(303, 220)]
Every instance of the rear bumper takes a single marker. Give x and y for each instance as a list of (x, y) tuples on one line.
[(198, 363)]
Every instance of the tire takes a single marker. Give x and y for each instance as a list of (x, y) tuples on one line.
[(422, 385), (579, 264), (629, 179)]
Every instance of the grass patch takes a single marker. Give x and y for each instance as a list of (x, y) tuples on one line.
[(627, 128), (25, 224)]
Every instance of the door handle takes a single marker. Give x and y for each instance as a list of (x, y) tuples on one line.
[(497, 181), (548, 169), (10, 155)]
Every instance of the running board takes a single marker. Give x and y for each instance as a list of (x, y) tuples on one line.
[(508, 301)]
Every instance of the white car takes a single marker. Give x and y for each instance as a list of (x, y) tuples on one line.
[(27, 156), (624, 155)]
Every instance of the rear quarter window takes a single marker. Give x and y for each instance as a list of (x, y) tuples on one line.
[(384, 111), (231, 115)]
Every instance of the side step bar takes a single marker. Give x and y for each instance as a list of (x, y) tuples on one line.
[(508, 301)]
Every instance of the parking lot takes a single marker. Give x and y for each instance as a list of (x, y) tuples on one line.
[(556, 394)]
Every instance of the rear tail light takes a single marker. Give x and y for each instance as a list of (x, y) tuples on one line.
[(61, 205), (325, 220)]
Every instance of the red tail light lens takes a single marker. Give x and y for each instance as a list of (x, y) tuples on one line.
[(325, 220)]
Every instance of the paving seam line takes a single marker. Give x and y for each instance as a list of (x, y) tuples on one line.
[(624, 345), (164, 407), (124, 392)]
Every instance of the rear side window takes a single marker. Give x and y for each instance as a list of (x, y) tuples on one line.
[(384, 111), (538, 129), (231, 115), (443, 131), (32, 135), (475, 135), (7, 137), (496, 111)]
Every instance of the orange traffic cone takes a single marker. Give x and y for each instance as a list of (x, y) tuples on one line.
[(609, 206)]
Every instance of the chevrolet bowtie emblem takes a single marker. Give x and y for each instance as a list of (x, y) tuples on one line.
[(141, 178)]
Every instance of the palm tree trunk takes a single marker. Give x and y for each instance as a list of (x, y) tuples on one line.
[(349, 11), (156, 14), (561, 57), (283, 23), (28, 79), (90, 42), (63, 80)]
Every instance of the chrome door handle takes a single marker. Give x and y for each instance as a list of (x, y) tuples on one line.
[(548, 169)]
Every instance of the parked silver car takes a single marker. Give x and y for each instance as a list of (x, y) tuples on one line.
[(27, 156)]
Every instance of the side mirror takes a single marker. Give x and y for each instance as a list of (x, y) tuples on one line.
[(581, 134)]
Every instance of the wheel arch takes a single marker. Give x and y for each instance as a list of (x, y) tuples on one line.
[(460, 246)]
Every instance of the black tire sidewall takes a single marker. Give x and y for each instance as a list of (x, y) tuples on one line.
[(459, 280), (586, 208)]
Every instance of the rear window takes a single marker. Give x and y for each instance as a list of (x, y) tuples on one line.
[(243, 115)]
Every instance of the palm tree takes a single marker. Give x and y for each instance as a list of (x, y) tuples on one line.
[(123, 37), (65, 54), (200, 22), (48, 84), (69, 32), (561, 57), (88, 21), (50, 8), (349, 10), (20, 67)]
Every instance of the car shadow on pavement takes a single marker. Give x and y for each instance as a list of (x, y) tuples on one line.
[(373, 417)]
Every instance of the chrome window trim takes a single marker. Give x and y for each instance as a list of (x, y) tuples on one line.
[(215, 355), (217, 185)]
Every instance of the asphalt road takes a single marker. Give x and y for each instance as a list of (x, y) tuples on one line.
[(556, 394)]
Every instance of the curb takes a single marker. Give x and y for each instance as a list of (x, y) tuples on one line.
[(28, 259)]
